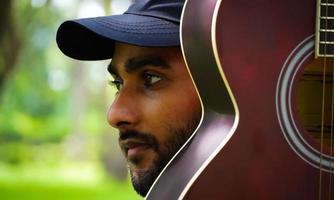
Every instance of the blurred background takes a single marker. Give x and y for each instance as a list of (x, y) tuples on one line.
[(55, 142)]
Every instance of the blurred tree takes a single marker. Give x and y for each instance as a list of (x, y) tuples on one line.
[(107, 6), (30, 105), (50, 99), (9, 41)]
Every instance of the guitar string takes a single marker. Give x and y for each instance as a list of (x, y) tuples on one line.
[(331, 147), (331, 139), (332, 114), (331, 130), (322, 126), (323, 100)]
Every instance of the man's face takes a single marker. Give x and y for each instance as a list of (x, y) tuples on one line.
[(156, 108)]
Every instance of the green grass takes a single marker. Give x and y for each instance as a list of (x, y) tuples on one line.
[(67, 182), (34, 191)]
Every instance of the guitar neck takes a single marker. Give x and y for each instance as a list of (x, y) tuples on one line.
[(324, 34)]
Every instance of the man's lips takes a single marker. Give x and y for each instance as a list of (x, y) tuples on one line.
[(134, 148)]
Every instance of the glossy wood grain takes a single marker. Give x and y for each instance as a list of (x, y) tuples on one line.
[(253, 40)]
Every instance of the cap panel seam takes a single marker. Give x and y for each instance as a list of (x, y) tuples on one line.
[(152, 23), (139, 28)]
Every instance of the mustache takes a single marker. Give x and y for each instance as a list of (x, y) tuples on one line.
[(144, 137)]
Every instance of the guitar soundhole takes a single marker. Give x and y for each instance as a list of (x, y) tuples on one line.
[(310, 99)]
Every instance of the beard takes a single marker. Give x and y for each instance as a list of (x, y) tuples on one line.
[(144, 178)]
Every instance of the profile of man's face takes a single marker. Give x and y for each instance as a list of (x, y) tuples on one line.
[(156, 108)]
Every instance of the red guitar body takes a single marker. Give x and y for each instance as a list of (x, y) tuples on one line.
[(258, 49)]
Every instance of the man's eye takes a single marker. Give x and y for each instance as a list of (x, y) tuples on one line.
[(151, 79), (116, 83)]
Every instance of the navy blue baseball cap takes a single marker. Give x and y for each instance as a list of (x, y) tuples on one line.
[(150, 23)]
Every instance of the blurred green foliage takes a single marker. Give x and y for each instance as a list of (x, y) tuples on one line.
[(28, 105), (50, 139)]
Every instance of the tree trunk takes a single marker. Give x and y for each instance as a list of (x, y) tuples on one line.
[(9, 41)]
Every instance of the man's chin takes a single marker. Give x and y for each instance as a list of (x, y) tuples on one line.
[(136, 174), (142, 179)]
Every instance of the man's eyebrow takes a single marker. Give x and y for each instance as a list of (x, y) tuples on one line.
[(137, 63)]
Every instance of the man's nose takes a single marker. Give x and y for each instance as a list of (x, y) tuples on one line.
[(123, 113)]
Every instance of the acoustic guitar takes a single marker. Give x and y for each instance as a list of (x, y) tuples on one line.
[(264, 73)]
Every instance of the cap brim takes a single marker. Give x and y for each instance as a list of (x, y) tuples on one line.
[(94, 38)]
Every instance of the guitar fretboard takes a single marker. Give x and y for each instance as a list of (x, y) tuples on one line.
[(325, 28)]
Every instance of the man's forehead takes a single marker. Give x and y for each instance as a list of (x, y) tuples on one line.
[(131, 58)]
